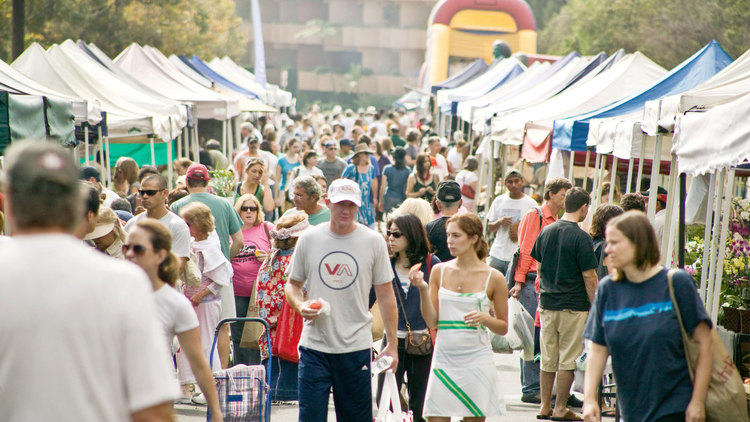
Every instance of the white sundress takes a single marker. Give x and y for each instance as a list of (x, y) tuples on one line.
[(463, 379)]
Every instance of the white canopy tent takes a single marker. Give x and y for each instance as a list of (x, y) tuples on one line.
[(728, 85), (630, 74), (541, 91), (84, 110), (479, 85), (714, 142), (236, 73), (469, 108)]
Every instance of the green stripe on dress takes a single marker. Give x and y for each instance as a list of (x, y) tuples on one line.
[(455, 325), (458, 392)]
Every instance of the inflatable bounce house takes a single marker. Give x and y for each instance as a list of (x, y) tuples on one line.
[(468, 29)]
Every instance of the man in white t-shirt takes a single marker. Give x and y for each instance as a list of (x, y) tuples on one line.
[(154, 193), (439, 163), (504, 216), (339, 262), (80, 340), (92, 176)]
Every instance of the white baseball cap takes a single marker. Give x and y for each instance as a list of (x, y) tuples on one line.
[(345, 190)]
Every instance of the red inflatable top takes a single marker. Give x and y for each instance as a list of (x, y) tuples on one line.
[(518, 9)]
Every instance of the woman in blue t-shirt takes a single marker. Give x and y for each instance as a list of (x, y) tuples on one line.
[(393, 189), (633, 319), (287, 163)]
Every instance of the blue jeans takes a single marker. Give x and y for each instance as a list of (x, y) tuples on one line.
[(529, 369), (283, 379), (349, 376), (499, 264)]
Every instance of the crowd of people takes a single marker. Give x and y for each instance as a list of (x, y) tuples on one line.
[(331, 218)]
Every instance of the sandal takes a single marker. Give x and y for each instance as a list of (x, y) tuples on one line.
[(569, 416), (544, 416)]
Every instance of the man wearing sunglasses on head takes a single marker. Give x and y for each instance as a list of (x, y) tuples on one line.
[(153, 194)]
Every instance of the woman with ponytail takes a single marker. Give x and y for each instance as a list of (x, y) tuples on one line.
[(149, 245)]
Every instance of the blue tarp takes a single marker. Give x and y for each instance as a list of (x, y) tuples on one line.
[(570, 134), (199, 66), (498, 74), (476, 68)]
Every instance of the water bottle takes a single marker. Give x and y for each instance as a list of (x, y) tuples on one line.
[(381, 364)]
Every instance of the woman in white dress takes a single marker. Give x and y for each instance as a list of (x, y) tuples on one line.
[(463, 380), (149, 245)]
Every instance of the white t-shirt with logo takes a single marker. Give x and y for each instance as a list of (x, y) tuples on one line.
[(174, 313), (176, 225), (503, 206), (79, 338), (441, 166), (340, 270)]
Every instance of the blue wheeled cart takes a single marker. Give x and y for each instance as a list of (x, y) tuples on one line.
[(229, 395)]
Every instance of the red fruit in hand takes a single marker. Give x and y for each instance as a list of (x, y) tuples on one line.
[(315, 305)]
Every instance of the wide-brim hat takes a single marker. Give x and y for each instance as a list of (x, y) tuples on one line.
[(362, 148)]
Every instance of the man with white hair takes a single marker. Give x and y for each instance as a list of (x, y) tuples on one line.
[(307, 193), (338, 263)]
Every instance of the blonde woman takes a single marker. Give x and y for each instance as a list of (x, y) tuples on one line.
[(256, 246), (216, 272), (418, 207), (126, 177), (255, 174)]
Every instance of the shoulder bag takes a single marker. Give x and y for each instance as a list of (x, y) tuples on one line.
[(510, 275), (725, 399), (416, 344)]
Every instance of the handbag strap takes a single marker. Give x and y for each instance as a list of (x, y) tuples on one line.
[(683, 333), (403, 309)]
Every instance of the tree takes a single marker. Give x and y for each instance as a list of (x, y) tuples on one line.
[(665, 31), (203, 27)]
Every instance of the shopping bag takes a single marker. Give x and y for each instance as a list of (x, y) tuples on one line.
[(521, 323), (725, 399), (288, 332), (389, 408), (242, 392)]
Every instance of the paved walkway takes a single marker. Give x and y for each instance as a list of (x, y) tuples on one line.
[(507, 366)]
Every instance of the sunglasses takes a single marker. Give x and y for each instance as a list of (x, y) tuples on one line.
[(243, 209), (395, 235), (137, 249), (148, 192)]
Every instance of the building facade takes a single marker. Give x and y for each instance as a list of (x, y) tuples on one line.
[(347, 46)]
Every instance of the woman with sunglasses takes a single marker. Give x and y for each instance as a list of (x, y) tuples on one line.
[(407, 240), (255, 171), (255, 249), (149, 246)]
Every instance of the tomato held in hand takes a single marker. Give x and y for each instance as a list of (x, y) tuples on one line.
[(315, 305)]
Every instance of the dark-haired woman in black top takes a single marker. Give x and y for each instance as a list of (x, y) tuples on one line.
[(407, 240)]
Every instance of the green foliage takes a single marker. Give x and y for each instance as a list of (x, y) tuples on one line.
[(317, 27), (666, 31), (204, 27), (222, 182), (544, 10)]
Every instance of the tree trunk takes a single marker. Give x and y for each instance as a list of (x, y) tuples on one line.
[(18, 27)]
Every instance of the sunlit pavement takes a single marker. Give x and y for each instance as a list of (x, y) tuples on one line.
[(507, 366)]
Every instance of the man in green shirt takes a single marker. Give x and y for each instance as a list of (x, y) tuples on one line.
[(307, 192), (227, 221)]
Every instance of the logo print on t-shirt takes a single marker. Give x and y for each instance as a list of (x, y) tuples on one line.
[(338, 270)]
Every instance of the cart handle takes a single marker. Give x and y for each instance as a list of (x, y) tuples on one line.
[(268, 341)]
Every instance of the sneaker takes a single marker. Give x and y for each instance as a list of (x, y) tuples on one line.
[(574, 401), (531, 398), (199, 399)]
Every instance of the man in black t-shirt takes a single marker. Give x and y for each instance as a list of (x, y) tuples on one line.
[(567, 271), (449, 201)]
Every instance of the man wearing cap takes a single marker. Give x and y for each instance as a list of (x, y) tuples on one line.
[(92, 176), (228, 226), (345, 148), (254, 151), (338, 263), (94, 313), (331, 165), (503, 218), (449, 202)]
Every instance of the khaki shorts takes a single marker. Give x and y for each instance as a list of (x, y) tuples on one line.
[(561, 338)]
